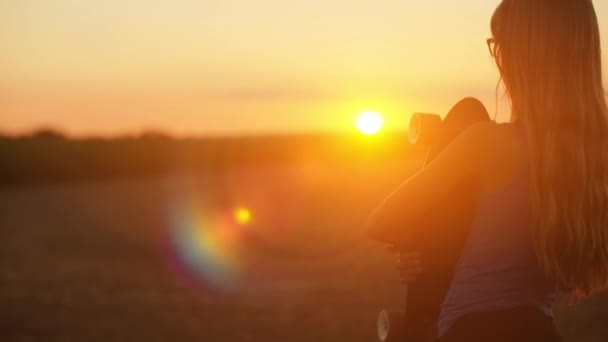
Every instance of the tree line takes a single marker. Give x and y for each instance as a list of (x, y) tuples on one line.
[(47, 156)]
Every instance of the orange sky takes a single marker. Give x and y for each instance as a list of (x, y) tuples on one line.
[(238, 66)]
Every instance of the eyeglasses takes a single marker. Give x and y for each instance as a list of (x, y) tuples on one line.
[(491, 45)]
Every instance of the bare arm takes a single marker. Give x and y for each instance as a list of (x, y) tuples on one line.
[(461, 161)]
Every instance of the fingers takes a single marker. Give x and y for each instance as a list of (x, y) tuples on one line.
[(409, 261), (401, 253), (408, 264), (410, 258), (412, 266), (409, 272), (407, 280)]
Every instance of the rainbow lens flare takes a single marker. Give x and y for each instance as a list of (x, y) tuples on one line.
[(206, 247), (241, 230)]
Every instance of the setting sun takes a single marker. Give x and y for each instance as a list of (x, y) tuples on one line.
[(370, 123)]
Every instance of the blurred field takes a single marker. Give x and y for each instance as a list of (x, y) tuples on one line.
[(91, 261)]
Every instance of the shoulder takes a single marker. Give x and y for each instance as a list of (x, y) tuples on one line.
[(487, 146), (485, 138), (488, 133)]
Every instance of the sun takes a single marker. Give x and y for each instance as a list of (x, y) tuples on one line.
[(370, 123)]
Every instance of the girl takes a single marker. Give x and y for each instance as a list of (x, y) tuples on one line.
[(542, 221)]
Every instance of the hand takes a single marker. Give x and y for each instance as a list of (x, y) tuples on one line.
[(408, 264)]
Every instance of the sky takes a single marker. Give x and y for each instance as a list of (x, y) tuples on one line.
[(196, 67)]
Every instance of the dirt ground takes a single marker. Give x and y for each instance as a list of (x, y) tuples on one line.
[(96, 262)]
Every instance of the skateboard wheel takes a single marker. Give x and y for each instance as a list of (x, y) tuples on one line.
[(391, 326), (424, 128)]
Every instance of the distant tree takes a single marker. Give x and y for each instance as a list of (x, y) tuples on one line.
[(48, 134), (155, 135)]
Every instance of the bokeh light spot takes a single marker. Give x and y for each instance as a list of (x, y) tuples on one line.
[(242, 216)]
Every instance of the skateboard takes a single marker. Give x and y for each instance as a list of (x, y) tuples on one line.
[(417, 323)]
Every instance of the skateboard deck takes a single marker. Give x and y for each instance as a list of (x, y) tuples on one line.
[(424, 297)]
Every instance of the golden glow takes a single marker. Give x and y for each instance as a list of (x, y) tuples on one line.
[(242, 216), (370, 123), (175, 67)]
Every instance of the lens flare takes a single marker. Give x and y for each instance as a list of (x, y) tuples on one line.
[(242, 216), (221, 246), (206, 247)]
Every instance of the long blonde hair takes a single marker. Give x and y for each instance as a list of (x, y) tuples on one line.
[(549, 56)]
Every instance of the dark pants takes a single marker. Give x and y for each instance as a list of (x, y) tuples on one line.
[(521, 324)]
